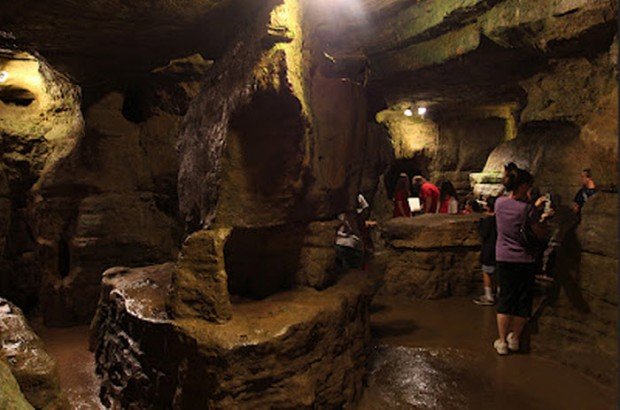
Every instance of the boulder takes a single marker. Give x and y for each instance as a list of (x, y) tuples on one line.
[(11, 396), (200, 285), (297, 349), (33, 368)]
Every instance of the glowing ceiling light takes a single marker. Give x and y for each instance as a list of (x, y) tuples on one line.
[(408, 113), (3, 76), (422, 111)]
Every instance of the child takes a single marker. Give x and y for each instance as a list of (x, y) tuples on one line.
[(487, 228)]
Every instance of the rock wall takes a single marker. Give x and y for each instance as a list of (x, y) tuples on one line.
[(580, 327), (40, 122), (297, 349), (432, 256), (112, 199), (275, 98)]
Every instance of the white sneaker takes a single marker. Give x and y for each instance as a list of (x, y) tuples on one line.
[(501, 347), (513, 342), (484, 301)]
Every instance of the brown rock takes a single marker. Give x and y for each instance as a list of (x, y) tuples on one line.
[(298, 349), (200, 286), (433, 275), (432, 256), (33, 368), (11, 396), (599, 214), (433, 231), (318, 255)]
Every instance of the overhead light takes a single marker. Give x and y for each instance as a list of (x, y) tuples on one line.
[(3, 76), (421, 111), (408, 113)]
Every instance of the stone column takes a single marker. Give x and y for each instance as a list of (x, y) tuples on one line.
[(200, 285)]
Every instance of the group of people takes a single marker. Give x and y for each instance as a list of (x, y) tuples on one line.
[(516, 244), (443, 200), (517, 241)]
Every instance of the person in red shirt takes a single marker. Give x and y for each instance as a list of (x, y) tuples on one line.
[(429, 194), (401, 193)]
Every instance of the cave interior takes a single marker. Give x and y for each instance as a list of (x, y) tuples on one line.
[(173, 176)]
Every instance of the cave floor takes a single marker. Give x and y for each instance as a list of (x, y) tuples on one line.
[(76, 364), (427, 354), (438, 354)]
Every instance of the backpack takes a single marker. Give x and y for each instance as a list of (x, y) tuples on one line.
[(534, 234)]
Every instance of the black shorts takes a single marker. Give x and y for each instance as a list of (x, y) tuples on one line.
[(516, 288)]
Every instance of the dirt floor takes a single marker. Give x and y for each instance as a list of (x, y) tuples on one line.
[(427, 354)]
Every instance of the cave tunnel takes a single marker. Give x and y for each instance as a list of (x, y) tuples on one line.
[(199, 204)]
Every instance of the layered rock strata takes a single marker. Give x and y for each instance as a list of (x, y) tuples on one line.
[(297, 349), (432, 256)]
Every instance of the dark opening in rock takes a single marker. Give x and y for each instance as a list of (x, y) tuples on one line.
[(16, 96), (263, 261), (64, 258), (418, 165)]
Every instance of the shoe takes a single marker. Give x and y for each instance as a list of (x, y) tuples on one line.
[(513, 343), (501, 347), (484, 301)]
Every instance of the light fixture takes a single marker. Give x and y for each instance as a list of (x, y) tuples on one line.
[(408, 113), (421, 111), (4, 75)]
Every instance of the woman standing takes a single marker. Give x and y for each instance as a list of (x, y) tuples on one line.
[(448, 199), (401, 194), (515, 263)]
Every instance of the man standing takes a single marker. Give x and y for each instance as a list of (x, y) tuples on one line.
[(429, 194), (588, 188)]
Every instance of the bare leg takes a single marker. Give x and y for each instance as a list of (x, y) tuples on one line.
[(518, 323), (486, 280), (503, 325)]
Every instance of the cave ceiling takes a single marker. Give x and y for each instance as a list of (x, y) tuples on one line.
[(446, 52), (111, 42)]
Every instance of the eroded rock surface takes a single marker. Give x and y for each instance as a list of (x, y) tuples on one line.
[(200, 285), (32, 367), (432, 256), (297, 349), (580, 327), (11, 396)]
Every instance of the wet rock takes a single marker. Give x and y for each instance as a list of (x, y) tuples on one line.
[(200, 286), (300, 348), (11, 396), (433, 256), (32, 367)]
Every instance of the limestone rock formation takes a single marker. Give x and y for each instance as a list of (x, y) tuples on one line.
[(200, 287), (32, 367), (580, 327), (11, 396), (317, 259), (432, 256), (296, 349), (113, 199)]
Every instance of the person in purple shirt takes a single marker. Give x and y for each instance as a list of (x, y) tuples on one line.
[(515, 264)]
